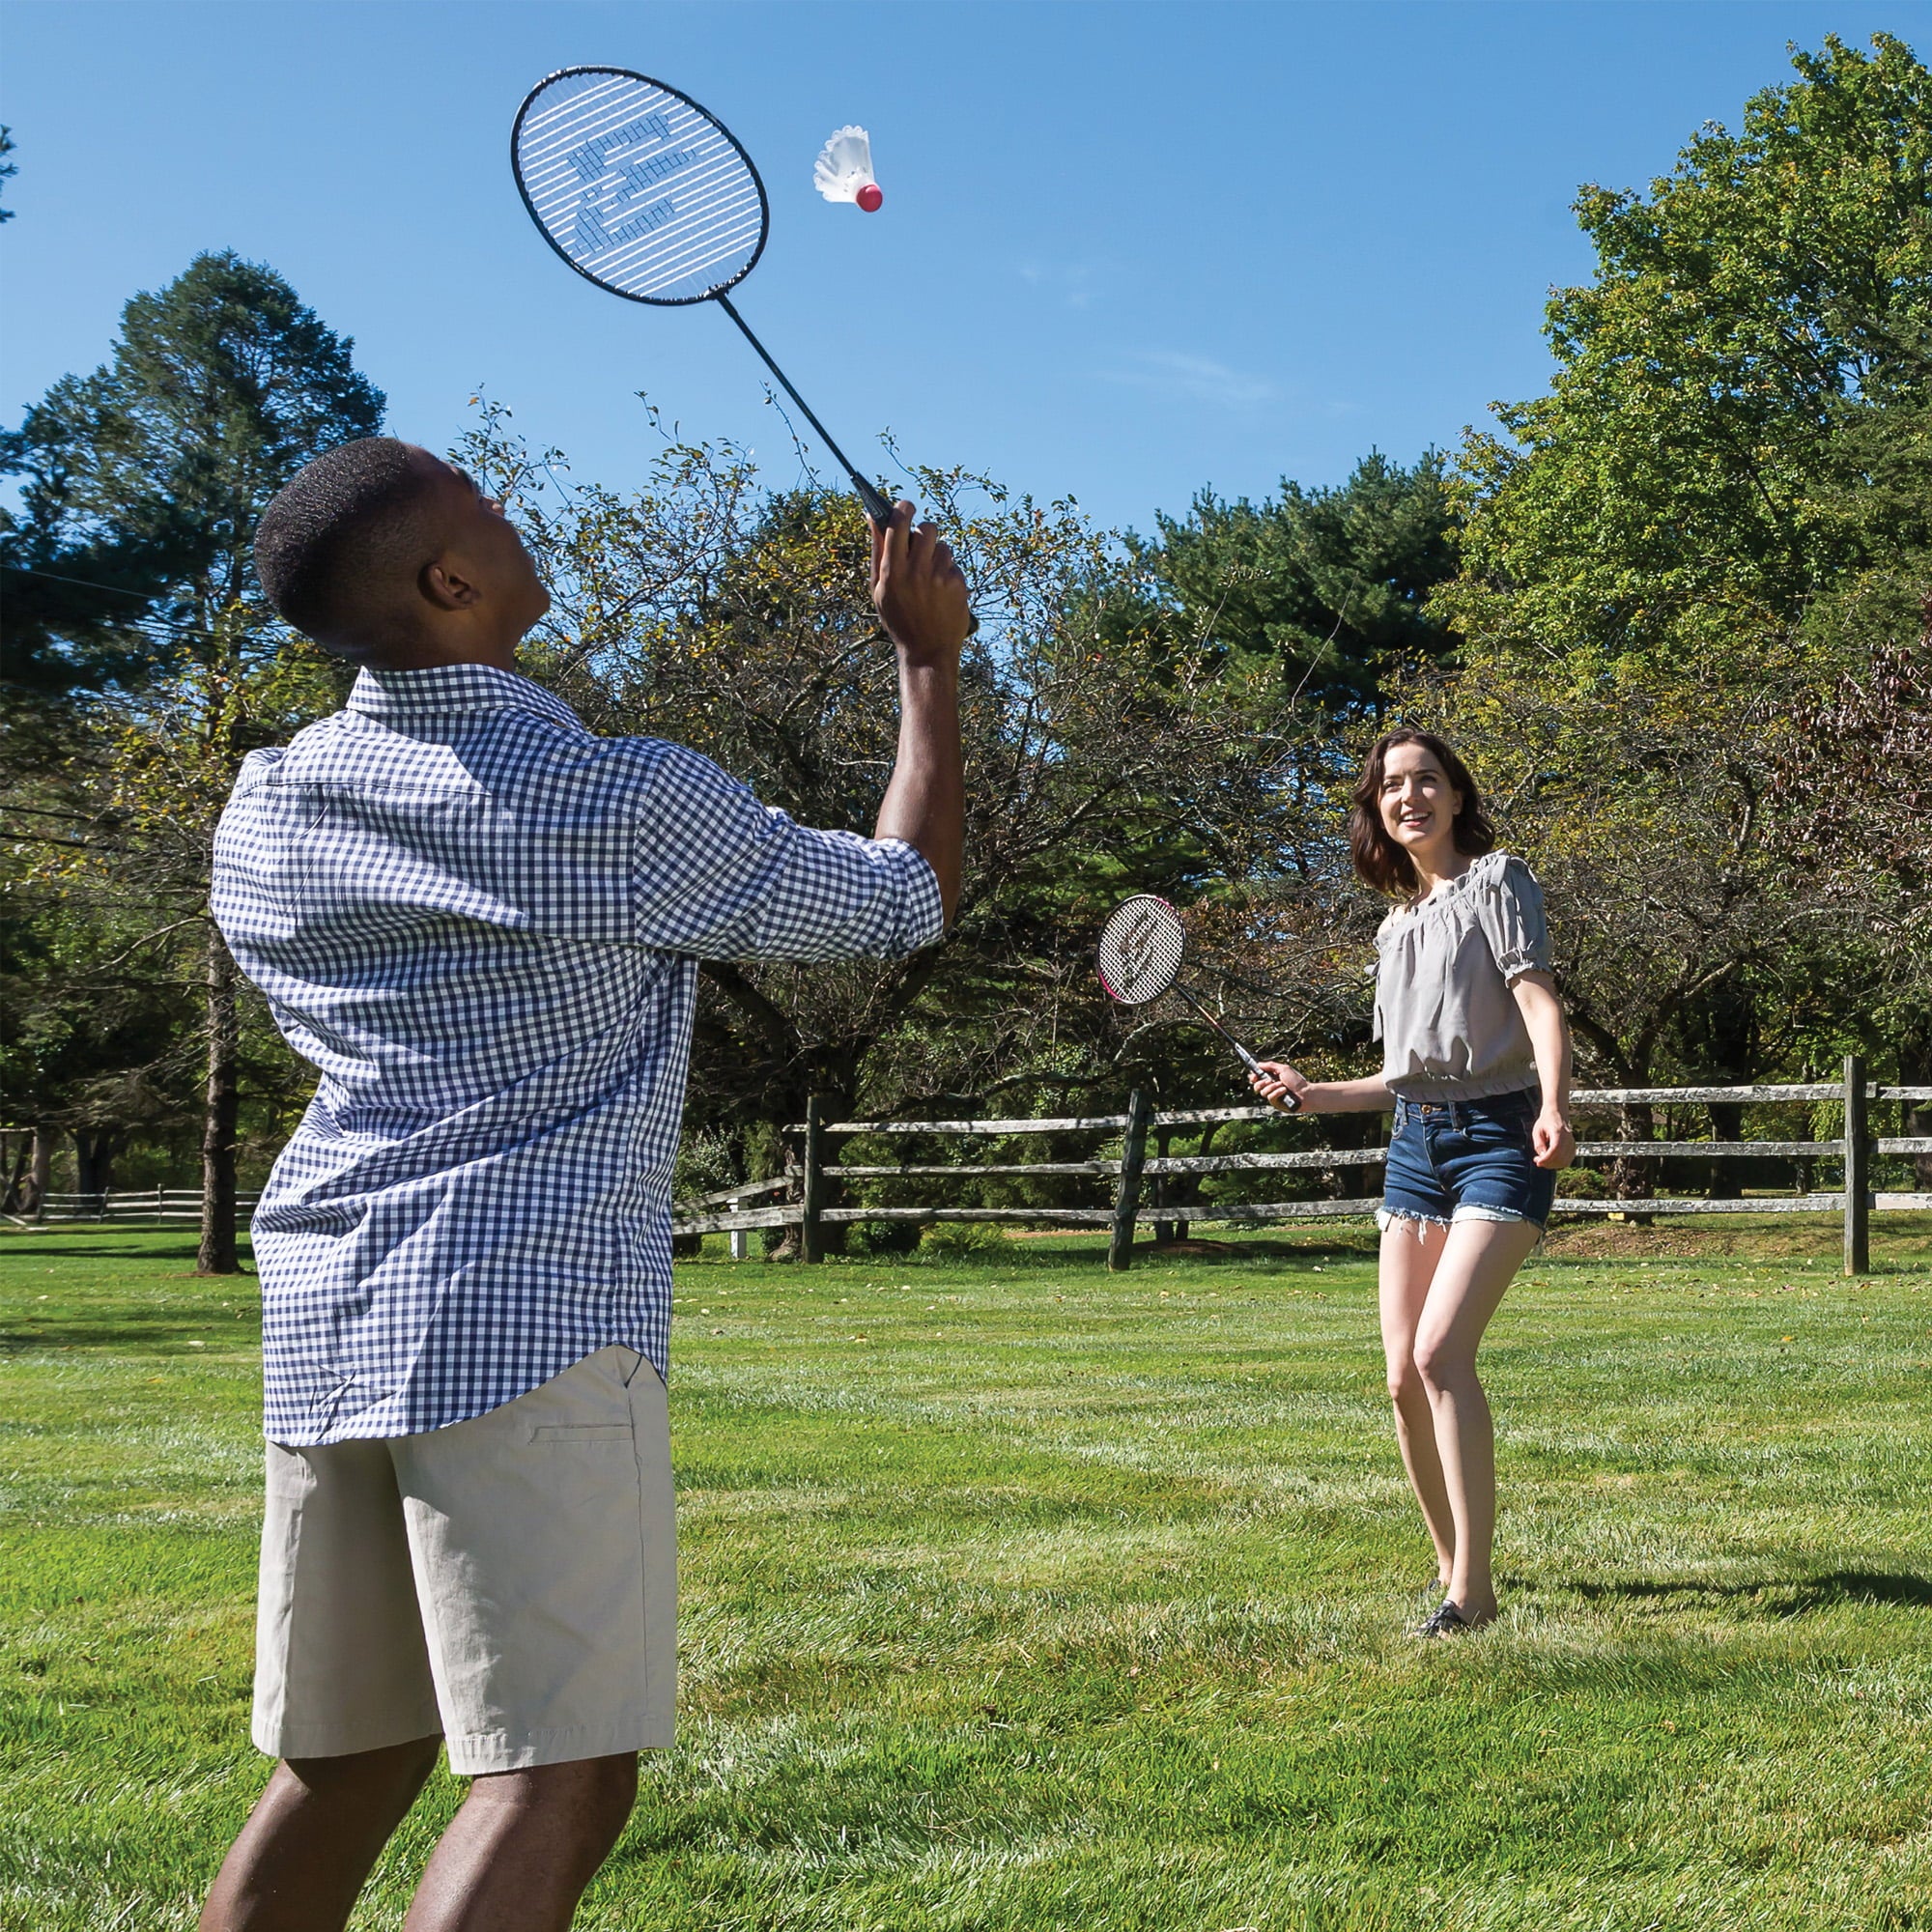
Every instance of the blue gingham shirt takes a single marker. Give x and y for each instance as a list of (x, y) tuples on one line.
[(482, 923)]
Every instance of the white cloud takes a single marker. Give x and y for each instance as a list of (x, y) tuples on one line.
[(1071, 282), (1170, 372)]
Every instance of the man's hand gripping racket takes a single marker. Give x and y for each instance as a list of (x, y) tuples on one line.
[(1142, 946)]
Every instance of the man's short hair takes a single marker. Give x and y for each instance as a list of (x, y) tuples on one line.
[(336, 546)]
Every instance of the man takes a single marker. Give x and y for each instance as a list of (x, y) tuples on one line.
[(482, 925)]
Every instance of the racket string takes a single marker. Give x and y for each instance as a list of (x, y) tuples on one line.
[(638, 187)]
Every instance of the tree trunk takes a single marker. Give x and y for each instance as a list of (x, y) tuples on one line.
[(92, 1159), (1631, 1174), (221, 1113), (17, 1177), (1915, 1118), (39, 1172), (1163, 1230), (1727, 1123)]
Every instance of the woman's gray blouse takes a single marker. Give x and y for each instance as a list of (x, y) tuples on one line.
[(1449, 1025)]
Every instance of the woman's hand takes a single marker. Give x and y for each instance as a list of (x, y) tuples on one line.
[(1283, 1083), (1555, 1144)]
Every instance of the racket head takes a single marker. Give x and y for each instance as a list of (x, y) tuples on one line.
[(1140, 951), (636, 186)]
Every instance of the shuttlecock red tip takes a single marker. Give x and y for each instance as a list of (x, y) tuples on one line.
[(869, 197)]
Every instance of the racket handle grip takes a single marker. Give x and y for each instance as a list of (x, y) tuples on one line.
[(881, 513), (1290, 1105)]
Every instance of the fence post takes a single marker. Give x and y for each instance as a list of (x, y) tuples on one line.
[(1126, 1204), (811, 1247), (741, 1240), (1858, 1171)]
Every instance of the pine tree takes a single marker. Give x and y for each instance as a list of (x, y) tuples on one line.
[(135, 625)]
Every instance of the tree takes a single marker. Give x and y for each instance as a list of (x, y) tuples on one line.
[(145, 479), (221, 386), (1749, 323), (1330, 586), (703, 609), (1713, 519)]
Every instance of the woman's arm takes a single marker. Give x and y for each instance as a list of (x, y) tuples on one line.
[(1550, 1037), (1322, 1097)]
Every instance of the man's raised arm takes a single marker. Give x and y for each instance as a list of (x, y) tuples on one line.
[(921, 601)]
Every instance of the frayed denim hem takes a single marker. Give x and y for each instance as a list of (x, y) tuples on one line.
[(1465, 1211), (1475, 1210), (1387, 1217)]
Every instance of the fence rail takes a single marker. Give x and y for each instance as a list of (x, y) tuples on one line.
[(132, 1203), (812, 1184)]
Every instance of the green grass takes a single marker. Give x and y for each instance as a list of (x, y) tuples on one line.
[(1019, 1596)]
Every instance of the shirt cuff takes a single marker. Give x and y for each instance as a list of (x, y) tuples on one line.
[(922, 912), (1514, 965)]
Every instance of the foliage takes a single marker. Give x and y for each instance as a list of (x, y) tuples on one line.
[(702, 610), (1750, 322), (1681, 564), (1328, 587), (141, 686), (142, 482)]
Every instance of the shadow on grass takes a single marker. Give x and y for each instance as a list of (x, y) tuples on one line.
[(72, 1247), (1785, 1598), (140, 1335)]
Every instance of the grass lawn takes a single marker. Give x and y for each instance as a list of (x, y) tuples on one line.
[(1016, 1595)]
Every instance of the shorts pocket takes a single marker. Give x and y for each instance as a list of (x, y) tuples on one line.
[(581, 1431)]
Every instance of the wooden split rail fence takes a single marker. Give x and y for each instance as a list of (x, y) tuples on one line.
[(130, 1204), (810, 1208)]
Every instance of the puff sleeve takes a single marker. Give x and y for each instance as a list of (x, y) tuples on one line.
[(1508, 905)]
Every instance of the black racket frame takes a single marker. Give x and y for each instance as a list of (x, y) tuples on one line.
[(876, 506)]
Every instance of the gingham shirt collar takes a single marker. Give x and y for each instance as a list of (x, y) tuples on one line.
[(402, 698)]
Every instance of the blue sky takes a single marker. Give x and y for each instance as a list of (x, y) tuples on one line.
[(1129, 248)]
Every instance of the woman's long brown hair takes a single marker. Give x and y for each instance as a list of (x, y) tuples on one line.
[(1378, 860)]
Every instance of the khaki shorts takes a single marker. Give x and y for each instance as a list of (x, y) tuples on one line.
[(509, 1581)]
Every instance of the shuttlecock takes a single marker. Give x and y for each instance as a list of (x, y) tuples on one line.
[(844, 170)]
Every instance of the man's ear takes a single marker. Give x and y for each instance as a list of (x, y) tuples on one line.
[(443, 583)]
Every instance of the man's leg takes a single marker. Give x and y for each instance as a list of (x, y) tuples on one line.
[(544, 1540), (312, 1837), (520, 1852), (344, 1699)]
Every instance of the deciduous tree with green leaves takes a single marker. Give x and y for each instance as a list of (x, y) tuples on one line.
[(1719, 512)]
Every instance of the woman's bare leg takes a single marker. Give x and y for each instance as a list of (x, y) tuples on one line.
[(1479, 1260), (1409, 1253)]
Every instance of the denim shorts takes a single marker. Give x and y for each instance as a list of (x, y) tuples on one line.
[(1466, 1160)]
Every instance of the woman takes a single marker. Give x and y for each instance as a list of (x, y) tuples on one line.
[(1472, 1030)]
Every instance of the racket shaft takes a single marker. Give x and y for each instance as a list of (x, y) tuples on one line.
[(1247, 1059), (876, 507)]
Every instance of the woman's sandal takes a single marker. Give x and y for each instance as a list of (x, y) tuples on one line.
[(1447, 1620)]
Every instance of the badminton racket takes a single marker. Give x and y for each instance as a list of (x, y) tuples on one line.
[(1139, 959), (645, 194)]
